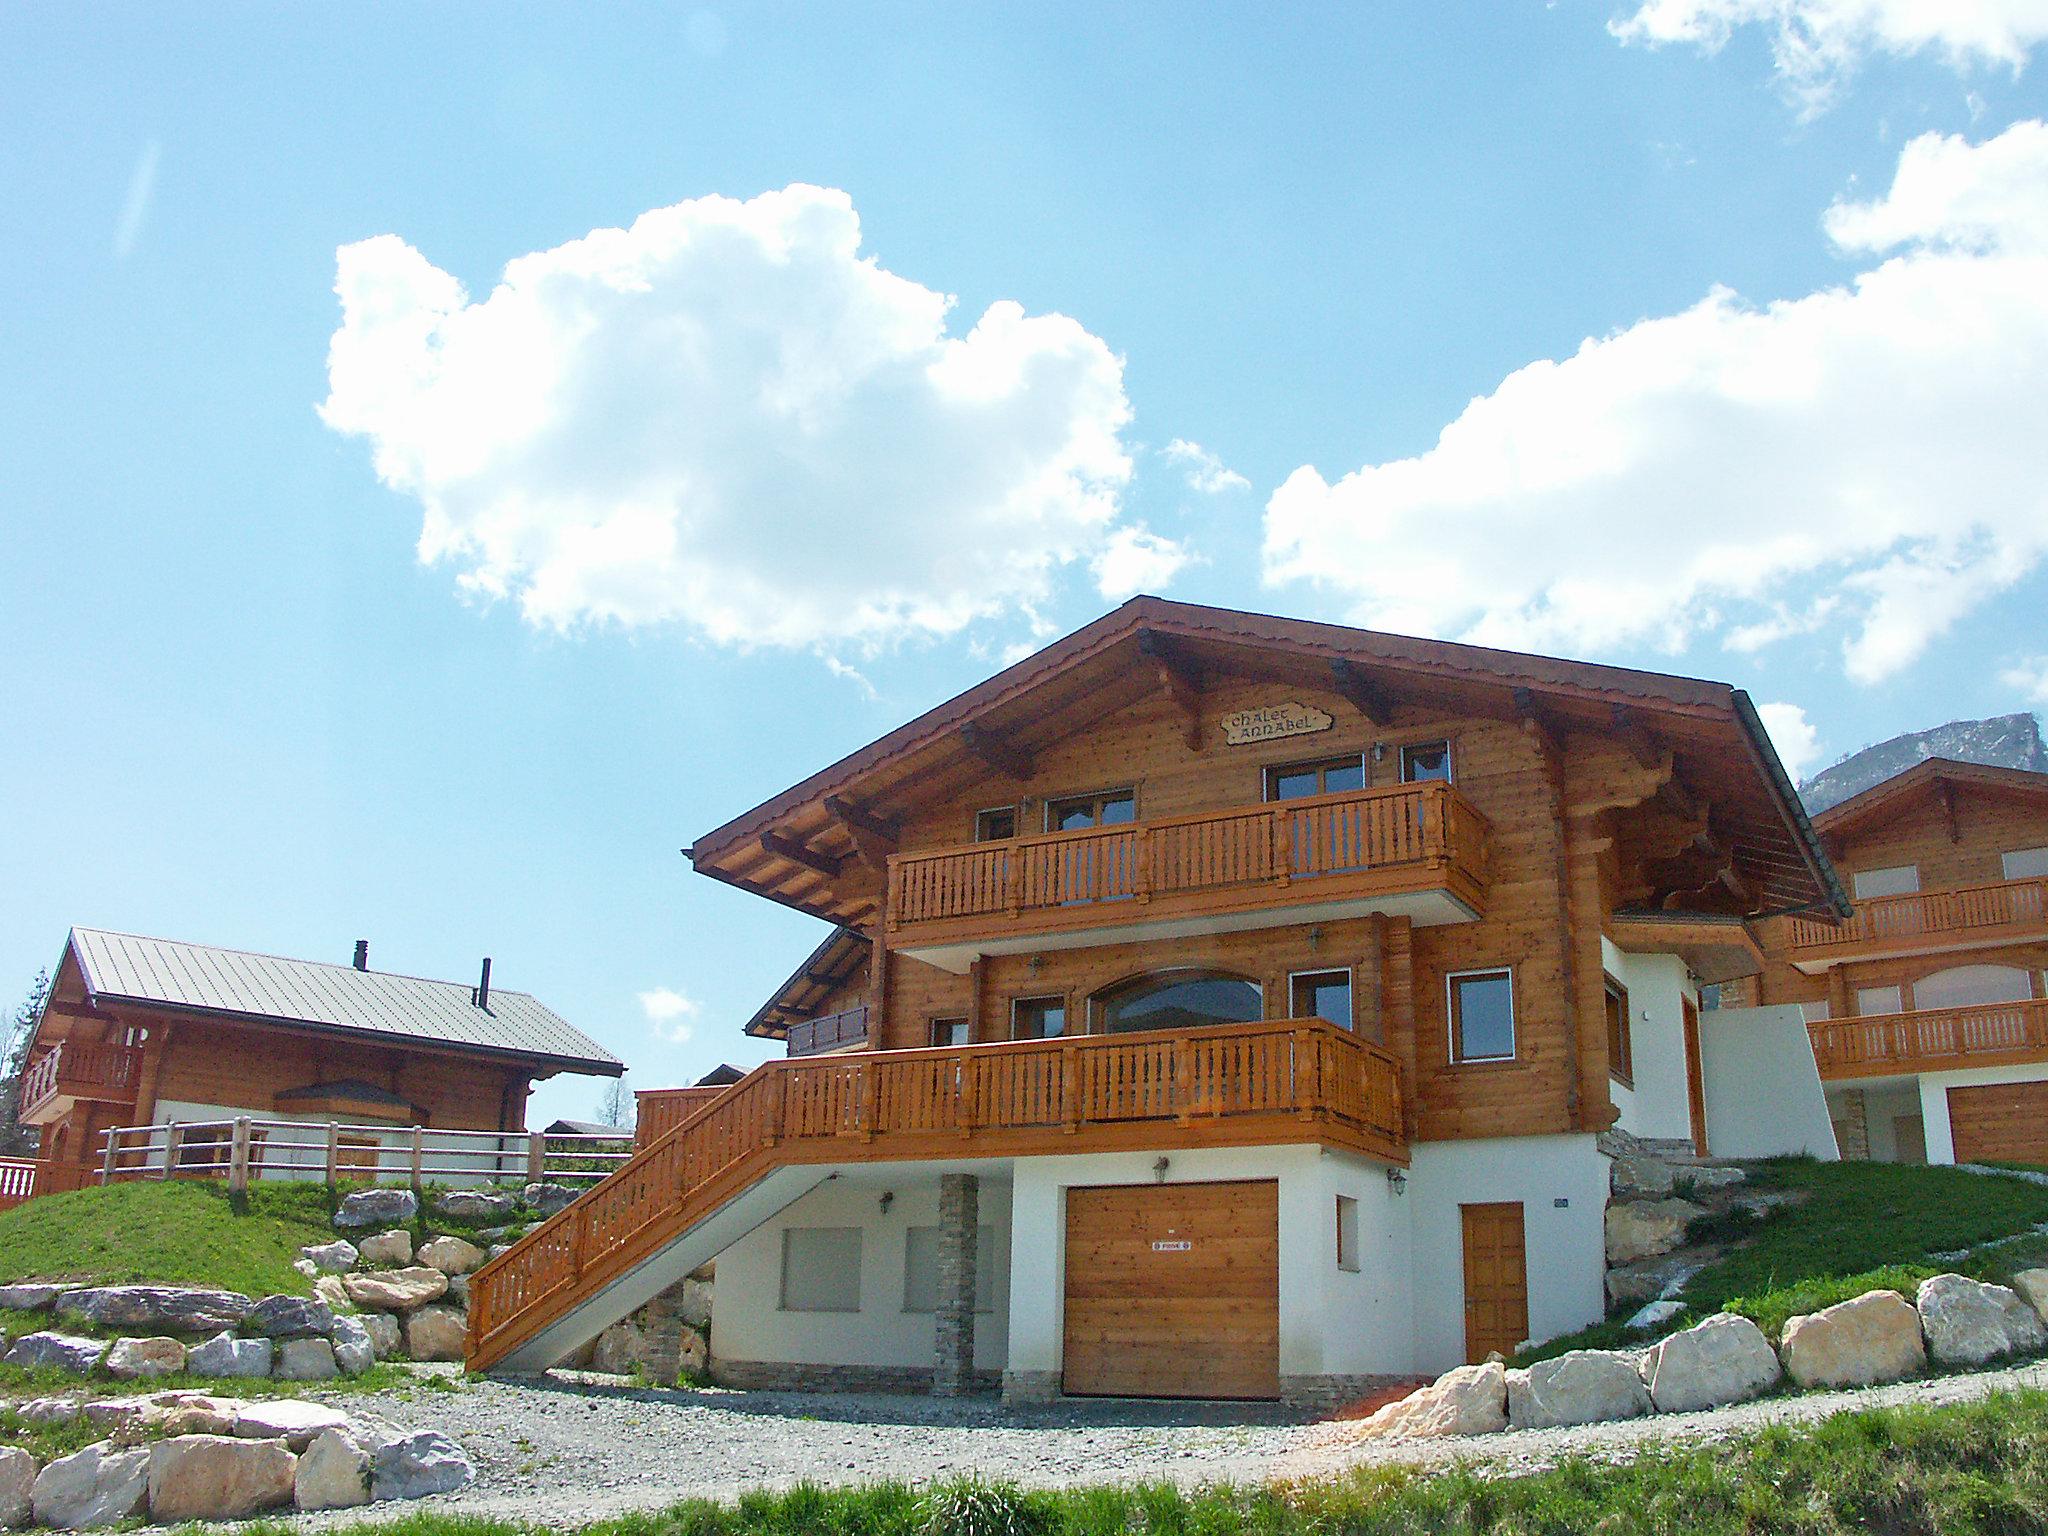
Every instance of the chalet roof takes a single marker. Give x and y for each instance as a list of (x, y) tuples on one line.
[(801, 846), (1887, 795), (231, 983), (583, 1128), (830, 965)]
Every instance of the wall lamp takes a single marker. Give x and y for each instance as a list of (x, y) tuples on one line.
[(1397, 1181), (1159, 1168), (888, 1199)]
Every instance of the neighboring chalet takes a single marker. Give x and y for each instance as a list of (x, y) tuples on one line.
[(150, 1032), (1927, 1008), (1216, 1006)]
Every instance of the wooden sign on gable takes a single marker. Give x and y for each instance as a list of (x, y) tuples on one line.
[(1269, 722)]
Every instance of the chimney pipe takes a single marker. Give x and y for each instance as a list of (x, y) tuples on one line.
[(362, 954), (482, 996)]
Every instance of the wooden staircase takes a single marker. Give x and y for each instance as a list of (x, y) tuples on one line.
[(780, 1130)]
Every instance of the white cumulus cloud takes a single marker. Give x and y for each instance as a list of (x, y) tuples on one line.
[(670, 1014), (728, 417), (1794, 736), (2030, 676), (1868, 457), (1137, 560), (1205, 472), (1816, 43)]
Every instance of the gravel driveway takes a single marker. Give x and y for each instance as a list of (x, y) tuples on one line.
[(571, 1448)]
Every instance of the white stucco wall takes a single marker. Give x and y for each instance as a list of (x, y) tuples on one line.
[(1763, 1091), (1656, 1105), (751, 1325), (1934, 1087), (1560, 1183), (1883, 1104)]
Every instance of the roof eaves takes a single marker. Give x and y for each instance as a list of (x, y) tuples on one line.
[(1765, 755)]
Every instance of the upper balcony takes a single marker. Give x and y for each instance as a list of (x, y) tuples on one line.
[(1931, 1040), (1922, 923), (1413, 850), (74, 1070)]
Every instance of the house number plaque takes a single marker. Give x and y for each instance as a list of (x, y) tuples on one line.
[(1269, 722), (1171, 1245)]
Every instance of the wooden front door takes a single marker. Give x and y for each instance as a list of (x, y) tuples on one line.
[(1695, 1082), (2006, 1122), (1496, 1280), (1173, 1290)]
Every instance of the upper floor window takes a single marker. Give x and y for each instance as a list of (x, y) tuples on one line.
[(1179, 1000), (1961, 986), (1815, 1010), (949, 1031), (1320, 995), (2025, 863), (1897, 880), (1038, 1018), (1621, 1064), (1482, 1008), (1332, 776), (995, 824), (1107, 809), (1880, 1000), (1422, 761)]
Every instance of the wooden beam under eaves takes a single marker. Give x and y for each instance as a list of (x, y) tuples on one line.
[(789, 848), (1181, 679), (874, 837), (1363, 694), (1640, 743), (997, 751)]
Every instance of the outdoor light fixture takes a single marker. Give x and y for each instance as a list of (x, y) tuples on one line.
[(1397, 1181), (1159, 1168), (1315, 938), (888, 1199)]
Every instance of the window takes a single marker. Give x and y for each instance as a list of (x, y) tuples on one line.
[(1179, 1000), (1347, 1234), (1320, 995), (1880, 1000), (1332, 776), (949, 1032), (356, 1157), (821, 1269), (2025, 863), (1621, 1062), (1815, 1011), (1423, 761), (1962, 985), (1898, 880), (1482, 1016), (921, 1269), (1106, 809), (1038, 1018), (205, 1149), (995, 824)]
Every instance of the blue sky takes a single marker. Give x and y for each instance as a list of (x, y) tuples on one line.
[(722, 498)]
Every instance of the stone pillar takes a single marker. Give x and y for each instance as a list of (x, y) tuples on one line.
[(959, 1219), (1852, 1127)]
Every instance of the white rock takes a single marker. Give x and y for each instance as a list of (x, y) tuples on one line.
[(57, 1352), (395, 1290), (1656, 1314), (290, 1419), (31, 1295), (1725, 1359), (1642, 1229), (49, 1410), (17, 1486), (414, 1466), (2033, 1285), (435, 1333), (1587, 1386), (100, 1485), (226, 1355), (1870, 1338), (393, 1247), (1640, 1175), (306, 1267), (1471, 1400), (450, 1255), (217, 1477), (140, 1359), (334, 1473), (377, 1208), (306, 1360), (1970, 1321), (354, 1353), (387, 1338), (330, 1290), (335, 1258)]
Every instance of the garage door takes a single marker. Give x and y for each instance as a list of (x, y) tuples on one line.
[(1173, 1290), (2008, 1121)]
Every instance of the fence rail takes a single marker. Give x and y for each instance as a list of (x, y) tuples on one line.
[(1302, 1079), (17, 1181), (1879, 920), (1983, 1034)]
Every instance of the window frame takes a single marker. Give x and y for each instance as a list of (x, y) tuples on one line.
[(1350, 994), (1321, 766), (1097, 797), (1450, 759), (933, 1024), (1621, 1063), (1452, 1016), (2007, 855), (1066, 1014), (782, 1303), (1347, 1235), (1856, 875), (1014, 811)]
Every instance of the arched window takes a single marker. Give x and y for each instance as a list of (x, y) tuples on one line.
[(1178, 1000), (1961, 985)]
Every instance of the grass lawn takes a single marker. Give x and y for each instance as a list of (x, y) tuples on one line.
[(1972, 1468), (1862, 1226)]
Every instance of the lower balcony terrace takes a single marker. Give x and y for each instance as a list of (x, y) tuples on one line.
[(1931, 1040)]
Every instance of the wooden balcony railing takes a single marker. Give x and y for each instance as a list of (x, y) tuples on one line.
[(660, 1110), (74, 1069), (829, 1031), (1238, 1084), (1931, 1039), (17, 1181), (1407, 837), (1922, 919)]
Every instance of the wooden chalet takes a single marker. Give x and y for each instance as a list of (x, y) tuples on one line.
[(1214, 1005)]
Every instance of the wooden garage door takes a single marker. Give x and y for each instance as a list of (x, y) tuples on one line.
[(1173, 1290), (2007, 1121)]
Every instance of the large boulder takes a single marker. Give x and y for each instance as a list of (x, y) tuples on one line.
[(166, 1308), (290, 1317), (396, 1290), (331, 1293), (435, 1333), (217, 1477), (474, 1205), (57, 1352), (1642, 1229), (450, 1255), (100, 1485), (49, 1410), (1699, 1180), (31, 1295), (1968, 1322), (458, 1291), (140, 1359), (334, 1473), (377, 1208), (353, 1351), (620, 1348), (413, 1466), (1471, 1400), (1640, 1176), (1587, 1386), (693, 1301), (693, 1353), (335, 1258), (547, 1198), (2032, 1284), (17, 1486), (290, 1419), (393, 1247), (226, 1355), (1873, 1337), (387, 1338), (1725, 1359), (306, 1360), (199, 1419)]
